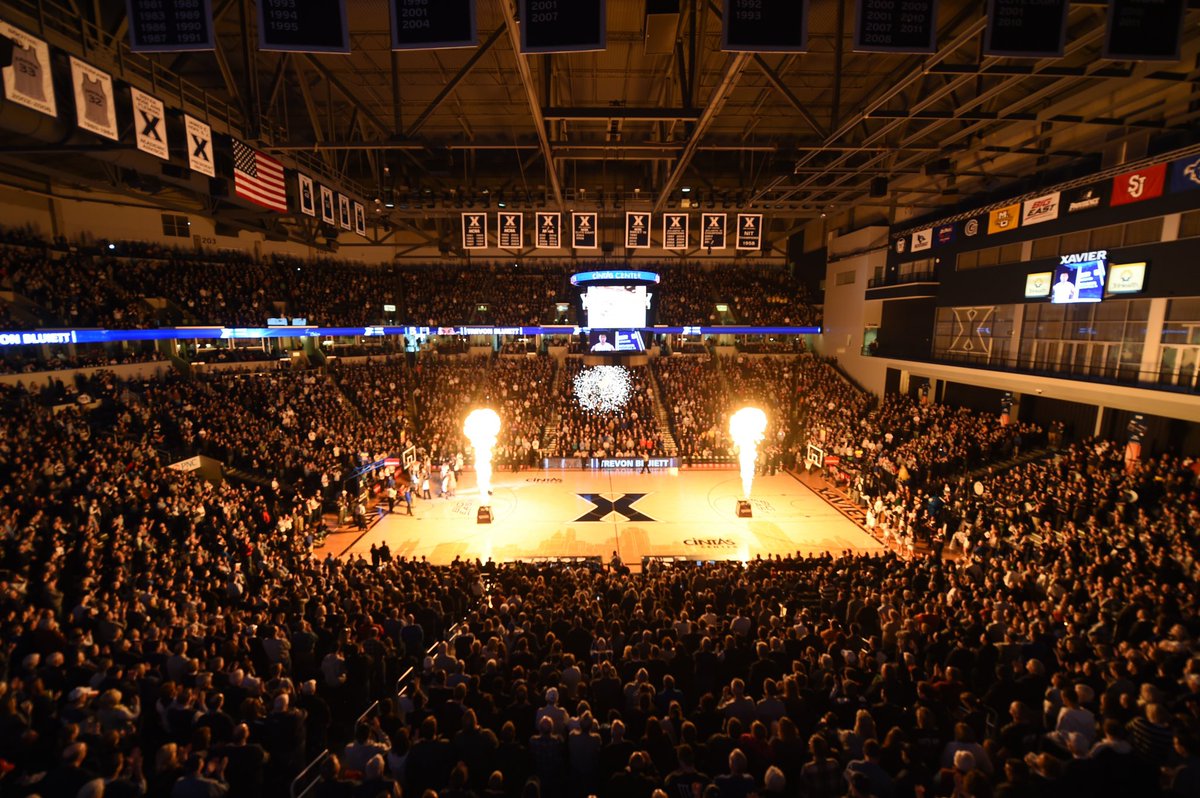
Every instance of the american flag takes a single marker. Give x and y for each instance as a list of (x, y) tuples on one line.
[(258, 178)]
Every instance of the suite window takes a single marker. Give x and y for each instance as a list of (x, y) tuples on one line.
[(1144, 231), (1108, 237), (176, 226), (1189, 224), (1046, 248), (1011, 253)]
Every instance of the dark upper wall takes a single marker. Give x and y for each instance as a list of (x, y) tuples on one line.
[(1171, 270), (905, 327)]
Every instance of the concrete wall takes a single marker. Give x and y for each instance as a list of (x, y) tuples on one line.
[(23, 208), (847, 313)]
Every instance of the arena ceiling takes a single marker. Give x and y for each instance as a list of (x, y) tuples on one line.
[(798, 135)]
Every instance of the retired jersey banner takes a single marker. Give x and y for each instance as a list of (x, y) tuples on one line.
[(474, 231), (1185, 174), (328, 209), (1004, 219), (637, 230), (305, 190), (549, 230), (360, 219), (749, 231), (199, 146), (95, 110), (512, 229), (922, 239), (1139, 185), (675, 231), (712, 230), (583, 231), (1041, 209), (345, 220), (150, 124), (27, 79)]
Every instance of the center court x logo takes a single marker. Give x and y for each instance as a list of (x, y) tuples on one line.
[(604, 507)]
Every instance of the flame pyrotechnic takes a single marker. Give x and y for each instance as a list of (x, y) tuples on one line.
[(481, 428), (747, 428)]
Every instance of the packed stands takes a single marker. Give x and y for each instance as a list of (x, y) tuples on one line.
[(157, 623), (232, 288), (632, 431)]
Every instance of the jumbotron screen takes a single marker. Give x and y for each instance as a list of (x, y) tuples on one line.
[(616, 306)]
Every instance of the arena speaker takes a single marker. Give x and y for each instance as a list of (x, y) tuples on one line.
[(661, 26), (607, 248), (743, 509), (879, 186)]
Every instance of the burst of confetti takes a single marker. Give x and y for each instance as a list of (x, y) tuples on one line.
[(603, 389)]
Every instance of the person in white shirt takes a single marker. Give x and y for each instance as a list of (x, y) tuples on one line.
[(1074, 719), (1064, 290)]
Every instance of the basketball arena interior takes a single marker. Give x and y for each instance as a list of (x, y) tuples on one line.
[(613, 398)]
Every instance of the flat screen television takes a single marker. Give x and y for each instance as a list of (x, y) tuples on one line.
[(1079, 278), (1126, 278), (1037, 285)]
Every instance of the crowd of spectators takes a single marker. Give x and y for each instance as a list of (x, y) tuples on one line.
[(71, 289), (513, 294), (162, 635), (168, 637), (631, 431), (32, 359), (756, 294), (696, 405), (234, 288)]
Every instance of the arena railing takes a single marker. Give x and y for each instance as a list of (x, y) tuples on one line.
[(308, 778)]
